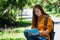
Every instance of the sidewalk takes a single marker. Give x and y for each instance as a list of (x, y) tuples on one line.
[(56, 27)]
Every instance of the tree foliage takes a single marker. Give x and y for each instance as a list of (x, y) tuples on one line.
[(10, 8)]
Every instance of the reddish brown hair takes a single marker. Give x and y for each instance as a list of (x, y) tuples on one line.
[(34, 18)]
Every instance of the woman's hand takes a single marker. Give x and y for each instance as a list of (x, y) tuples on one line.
[(42, 33), (45, 32)]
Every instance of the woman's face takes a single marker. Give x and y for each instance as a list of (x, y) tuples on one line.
[(38, 12)]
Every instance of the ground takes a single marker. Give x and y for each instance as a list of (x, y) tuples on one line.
[(13, 34)]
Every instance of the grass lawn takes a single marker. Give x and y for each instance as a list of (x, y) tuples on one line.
[(13, 34), (16, 33)]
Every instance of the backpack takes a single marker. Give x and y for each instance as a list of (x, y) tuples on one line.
[(52, 33)]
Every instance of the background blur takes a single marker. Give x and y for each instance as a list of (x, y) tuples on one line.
[(16, 16)]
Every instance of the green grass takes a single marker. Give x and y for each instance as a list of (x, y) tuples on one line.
[(13, 34), (16, 33), (23, 23)]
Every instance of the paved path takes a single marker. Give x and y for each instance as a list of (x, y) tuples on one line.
[(56, 28)]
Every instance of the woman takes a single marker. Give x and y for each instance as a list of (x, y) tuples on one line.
[(38, 23)]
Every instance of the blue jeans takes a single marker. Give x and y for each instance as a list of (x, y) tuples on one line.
[(34, 37)]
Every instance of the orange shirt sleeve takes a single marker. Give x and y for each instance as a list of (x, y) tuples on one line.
[(49, 25)]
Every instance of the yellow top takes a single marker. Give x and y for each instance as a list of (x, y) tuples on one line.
[(40, 25)]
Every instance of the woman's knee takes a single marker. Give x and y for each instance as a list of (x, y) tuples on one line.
[(25, 32)]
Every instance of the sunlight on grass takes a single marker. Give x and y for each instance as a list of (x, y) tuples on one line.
[(13, 34)]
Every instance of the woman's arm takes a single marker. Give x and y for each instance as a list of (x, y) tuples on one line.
[(49, 27)]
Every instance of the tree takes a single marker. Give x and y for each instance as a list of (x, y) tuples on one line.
[(8, 9)]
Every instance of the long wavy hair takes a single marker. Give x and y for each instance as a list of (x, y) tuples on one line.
[(34, 17)]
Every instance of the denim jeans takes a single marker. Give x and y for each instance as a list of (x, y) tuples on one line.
[(34, 37)]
